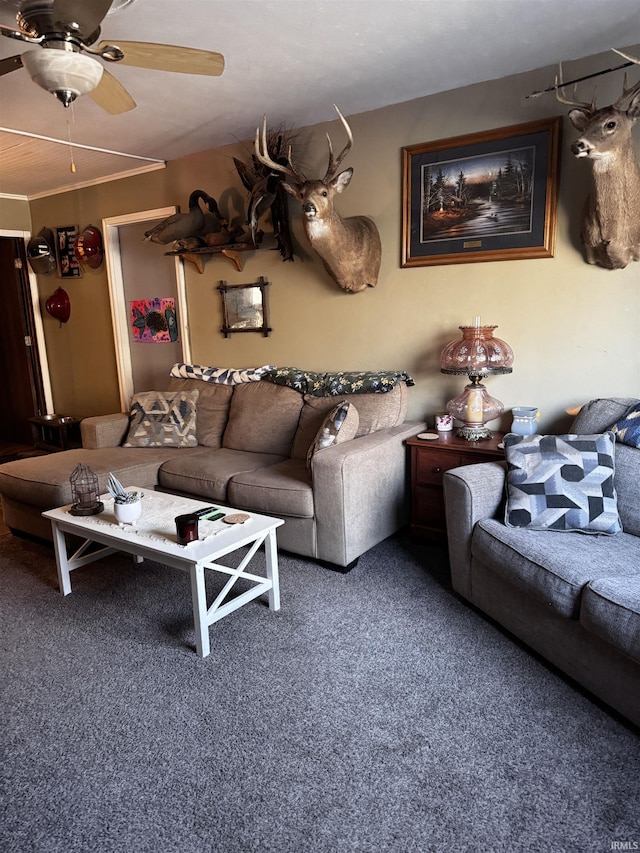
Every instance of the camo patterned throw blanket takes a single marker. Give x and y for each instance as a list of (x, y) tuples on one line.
[(334, 384), (303, 381)]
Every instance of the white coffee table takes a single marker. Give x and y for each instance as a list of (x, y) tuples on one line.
[(154, 537)]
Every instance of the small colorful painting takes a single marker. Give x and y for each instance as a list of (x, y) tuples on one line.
[(153, 321)]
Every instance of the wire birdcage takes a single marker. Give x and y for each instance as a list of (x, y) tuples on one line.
[(84, 491)]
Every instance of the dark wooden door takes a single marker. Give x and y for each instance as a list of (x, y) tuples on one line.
[(22, 389)]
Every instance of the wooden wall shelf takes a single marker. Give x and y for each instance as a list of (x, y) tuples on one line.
[(233, 251)]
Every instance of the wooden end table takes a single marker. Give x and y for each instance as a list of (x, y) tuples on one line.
[(429, 461)]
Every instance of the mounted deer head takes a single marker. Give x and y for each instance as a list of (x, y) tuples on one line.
[(611, 218), (349, 248)]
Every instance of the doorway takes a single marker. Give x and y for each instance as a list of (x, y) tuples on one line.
[(26, 389), (138, 271)]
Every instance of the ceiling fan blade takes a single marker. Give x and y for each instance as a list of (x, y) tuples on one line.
[(111, 95), (11, 63), (170, 57), (83, 16)]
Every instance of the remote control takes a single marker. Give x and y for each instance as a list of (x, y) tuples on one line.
[(213, 516), (201, 513)]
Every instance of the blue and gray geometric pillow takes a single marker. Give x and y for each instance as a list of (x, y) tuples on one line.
[(561, 482), (627, 430)]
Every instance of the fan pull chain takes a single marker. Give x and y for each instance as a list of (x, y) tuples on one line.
[(73, 165)]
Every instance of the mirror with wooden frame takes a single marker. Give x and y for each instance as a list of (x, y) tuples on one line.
[(244, 307)]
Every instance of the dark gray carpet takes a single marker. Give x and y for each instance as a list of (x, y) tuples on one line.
[(375, 712)]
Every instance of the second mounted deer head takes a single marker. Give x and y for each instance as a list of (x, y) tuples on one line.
[(349, 248), (611, 219)]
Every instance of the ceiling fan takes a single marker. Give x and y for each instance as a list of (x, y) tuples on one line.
[(65, 31)]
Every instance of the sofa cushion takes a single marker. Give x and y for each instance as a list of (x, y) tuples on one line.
[(212, 408), (554, 569), (207, 473), (43, 481), (340, 425), (263, 418), (611, 609), (163, 419), (375, 411), (627, 429), (600, 415), (561, 482), (282, 489)]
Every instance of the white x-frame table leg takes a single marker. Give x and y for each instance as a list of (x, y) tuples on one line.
[(79, 558), (204, 615)]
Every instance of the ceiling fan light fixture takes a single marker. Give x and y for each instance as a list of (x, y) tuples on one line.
[(64, 73)]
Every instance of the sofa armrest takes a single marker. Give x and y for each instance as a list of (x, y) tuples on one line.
[(471, 493), (361, 492), (104, 430)]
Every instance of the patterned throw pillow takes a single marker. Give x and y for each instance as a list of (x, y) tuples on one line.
[(163, 419), (561, 482), (341, 424), (627, 430)]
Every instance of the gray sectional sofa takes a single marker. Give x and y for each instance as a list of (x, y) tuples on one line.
[(573, 597), (251, 453)]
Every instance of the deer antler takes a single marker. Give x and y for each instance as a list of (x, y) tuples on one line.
[(334, 164), (626, 56), (626, 93), (261, 150), (560, 96)]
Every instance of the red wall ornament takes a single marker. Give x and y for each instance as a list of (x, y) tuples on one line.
[(59, 305)]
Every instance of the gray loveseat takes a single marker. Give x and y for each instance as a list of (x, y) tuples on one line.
[(251, 454), (573, 597)]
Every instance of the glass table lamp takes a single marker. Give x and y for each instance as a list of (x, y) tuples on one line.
[(477, 354)]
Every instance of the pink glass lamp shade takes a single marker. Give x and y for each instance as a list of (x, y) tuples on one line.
[(477, 354)]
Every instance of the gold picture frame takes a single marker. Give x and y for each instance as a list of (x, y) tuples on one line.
[(489, 196)]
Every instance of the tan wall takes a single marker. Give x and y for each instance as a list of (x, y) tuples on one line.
[(15, 214), (574, 328)]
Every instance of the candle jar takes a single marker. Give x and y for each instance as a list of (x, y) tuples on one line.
[(525, 420), (186, 528), (443, 422)]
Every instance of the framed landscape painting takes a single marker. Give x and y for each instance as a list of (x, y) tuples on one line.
[(488, 196)]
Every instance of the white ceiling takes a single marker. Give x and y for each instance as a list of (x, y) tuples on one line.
[(291, 59)]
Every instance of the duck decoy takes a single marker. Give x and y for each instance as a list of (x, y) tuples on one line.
[(181, 225), (214, 222)]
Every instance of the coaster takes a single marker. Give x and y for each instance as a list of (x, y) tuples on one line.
[(237, 518), (428, 436)]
